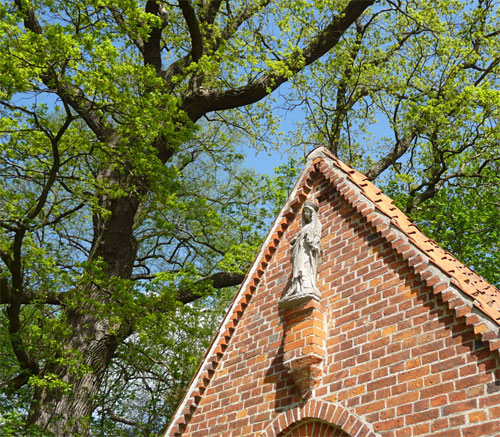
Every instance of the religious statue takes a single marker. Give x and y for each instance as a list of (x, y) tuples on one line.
[(306, 254)]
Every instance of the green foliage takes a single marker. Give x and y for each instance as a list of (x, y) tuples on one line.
[(153, 368), (280, 186)]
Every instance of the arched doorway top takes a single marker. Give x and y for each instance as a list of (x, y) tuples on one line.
[(313, 428), (327, 412)]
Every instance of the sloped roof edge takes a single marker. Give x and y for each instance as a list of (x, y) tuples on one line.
[(239, 303), (467, 293)]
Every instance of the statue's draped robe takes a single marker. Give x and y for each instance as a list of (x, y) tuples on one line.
[(305, 259)]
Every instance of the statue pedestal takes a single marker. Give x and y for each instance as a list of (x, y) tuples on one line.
[(296, 300), (305, 343)]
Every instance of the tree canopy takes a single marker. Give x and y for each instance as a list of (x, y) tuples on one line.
[(126, 211)]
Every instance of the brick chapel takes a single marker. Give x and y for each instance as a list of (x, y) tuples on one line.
[(350, 323)]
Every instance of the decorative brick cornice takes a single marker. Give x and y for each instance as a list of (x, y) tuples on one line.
[(465, 292)]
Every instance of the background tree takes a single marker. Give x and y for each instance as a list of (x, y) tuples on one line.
[(112, 212), (126, 212), (427, 77)]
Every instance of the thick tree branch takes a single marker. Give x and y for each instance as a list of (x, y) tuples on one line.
[(208, 18), (16, 382), (27, 363), (199, 103), (398, 150), (210, 12), (487, 70), (193, 25), (5, 290), (74, 97), (152, 44), (119, 419), (218, 280), (226, 279), (26, 298), (173, 70), (30, 20)]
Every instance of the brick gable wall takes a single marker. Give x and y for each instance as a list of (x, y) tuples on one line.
[(398, 362)]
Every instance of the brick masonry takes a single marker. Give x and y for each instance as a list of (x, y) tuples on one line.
[(404, 350), (304, 344)]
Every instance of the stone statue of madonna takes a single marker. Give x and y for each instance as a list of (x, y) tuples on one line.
[(306, 253)]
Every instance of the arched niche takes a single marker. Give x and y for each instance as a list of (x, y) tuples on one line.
[(313, 428), (328, 416)]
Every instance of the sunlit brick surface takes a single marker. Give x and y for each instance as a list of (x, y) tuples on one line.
[(404, 357)]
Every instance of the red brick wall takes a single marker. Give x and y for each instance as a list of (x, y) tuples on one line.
[(396, 356)]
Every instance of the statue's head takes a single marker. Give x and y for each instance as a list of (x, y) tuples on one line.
[(308, 211)]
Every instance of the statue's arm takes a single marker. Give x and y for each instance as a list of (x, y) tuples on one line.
[(313, 241)]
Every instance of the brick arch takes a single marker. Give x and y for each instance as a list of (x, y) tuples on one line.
[(319, 411), (313, 428)]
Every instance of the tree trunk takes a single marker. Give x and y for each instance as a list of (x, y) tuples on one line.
[(68, 413)]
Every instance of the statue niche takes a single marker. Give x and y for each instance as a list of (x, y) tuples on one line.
[(306, 257)]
